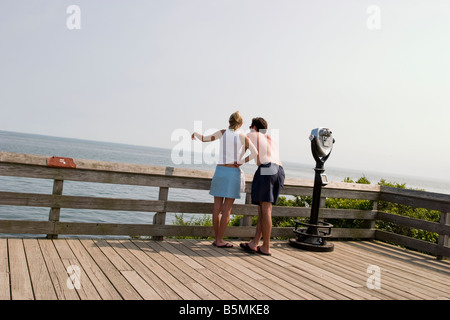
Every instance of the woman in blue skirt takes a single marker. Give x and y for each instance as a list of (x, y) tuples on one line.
[(226, 182)]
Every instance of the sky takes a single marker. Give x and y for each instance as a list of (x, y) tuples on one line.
[(377, 73)]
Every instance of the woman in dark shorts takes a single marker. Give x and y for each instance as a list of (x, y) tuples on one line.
[(268, 181)]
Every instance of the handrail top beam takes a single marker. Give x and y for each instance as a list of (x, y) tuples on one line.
[(85, 164)]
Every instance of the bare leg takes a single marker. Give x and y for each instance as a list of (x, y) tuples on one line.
[(266, 225), (218, 202), (226, 211), (258, 234)]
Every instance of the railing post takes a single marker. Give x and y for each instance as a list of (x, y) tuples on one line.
[(55, 211), (443, 240), (370, 224), (246, 221), (160, 217), (322, 203)]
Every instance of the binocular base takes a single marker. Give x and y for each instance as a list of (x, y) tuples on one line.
[(324, 247), (313, 237)]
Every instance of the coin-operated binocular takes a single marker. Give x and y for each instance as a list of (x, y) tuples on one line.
[(312, 236)]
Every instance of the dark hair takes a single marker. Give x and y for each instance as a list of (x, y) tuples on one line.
[(260, 123)]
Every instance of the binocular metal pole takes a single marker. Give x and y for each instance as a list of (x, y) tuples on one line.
[(312, 237), (317, 191)]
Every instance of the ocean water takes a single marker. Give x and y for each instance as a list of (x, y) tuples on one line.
[(114, 152)]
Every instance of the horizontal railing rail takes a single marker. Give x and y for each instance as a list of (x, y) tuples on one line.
[(417, 199), (167, 178)]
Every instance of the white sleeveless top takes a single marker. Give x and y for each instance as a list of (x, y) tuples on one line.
[(230, 147)]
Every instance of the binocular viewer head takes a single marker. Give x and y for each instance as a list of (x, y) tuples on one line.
[(323, 141)]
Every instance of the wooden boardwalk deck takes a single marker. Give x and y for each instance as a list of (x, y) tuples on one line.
[(190, 269)]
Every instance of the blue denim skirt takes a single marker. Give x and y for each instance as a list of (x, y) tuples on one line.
[(226, 183)]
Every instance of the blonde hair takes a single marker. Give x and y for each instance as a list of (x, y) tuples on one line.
[(235, 120)]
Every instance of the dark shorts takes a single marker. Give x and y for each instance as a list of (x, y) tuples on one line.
[(268, 181)]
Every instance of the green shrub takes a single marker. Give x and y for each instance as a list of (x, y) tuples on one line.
[(340, 203), (407, 211)]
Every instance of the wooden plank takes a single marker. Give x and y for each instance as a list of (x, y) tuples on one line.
[(304, 282), (57, 270), (210, 270), (399, 274), (150, 257), (349, 233), (350, 194), (160, 217), (115, 277), (412, 243), (139, 284), (351, 260), (90, 169), (124, 178), (78, 202), (423, 282), (108, 250), (86, 291), (246, 272), (23, 158), (85, 164), (127, 267), (269, 267), (357, 265), (181, 255), (5, 292), (444, 238), (402, 272), (308, 289), (337, 263), (143, 265), (191, 268), (190, 231), (230, 272), (40, 278), (414, 223), (26, 227), (94, 273), (55, 212), (186, 278), (75, 202), (88, 228), (21, 288), (416, 263), (415, 198), (325, 286), (328, 279)]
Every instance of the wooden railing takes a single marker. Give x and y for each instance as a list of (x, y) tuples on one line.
[(167, 178)]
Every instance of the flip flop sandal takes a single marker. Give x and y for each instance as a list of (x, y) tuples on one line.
[(246, 247), (263, 253), (226, 245)]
